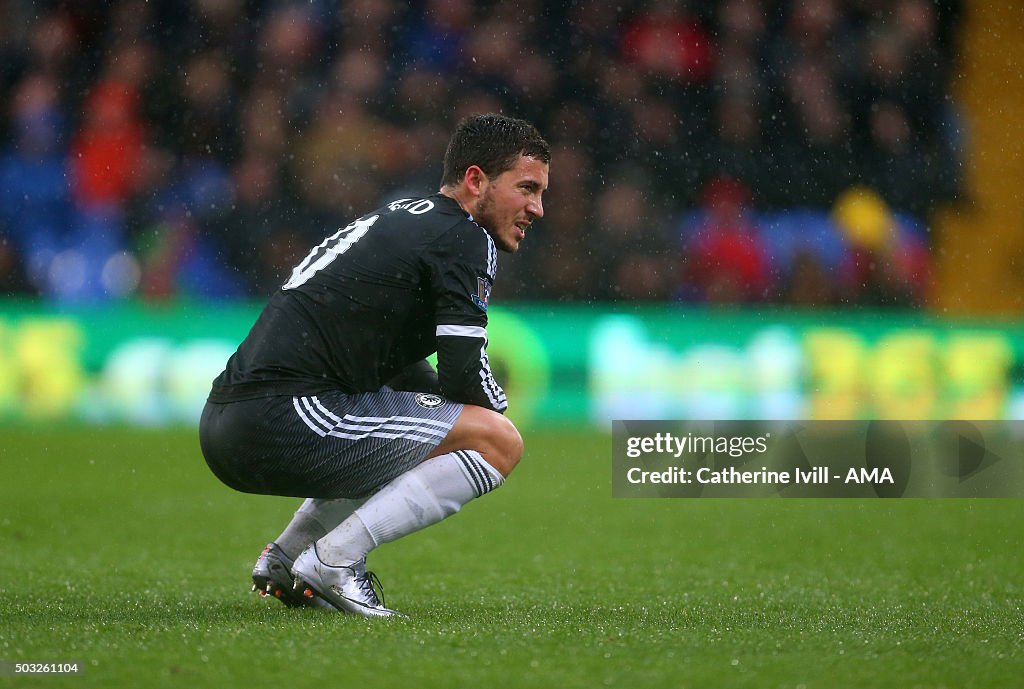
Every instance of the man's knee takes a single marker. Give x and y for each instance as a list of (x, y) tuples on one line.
[(496, 438), (512, 446), (489, 433)]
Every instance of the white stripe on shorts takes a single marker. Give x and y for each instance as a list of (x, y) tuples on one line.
[(380, 423), (410, 427), (302, 415), (415, 420)]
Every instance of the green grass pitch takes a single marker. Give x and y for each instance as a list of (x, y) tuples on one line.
[(121, 550)]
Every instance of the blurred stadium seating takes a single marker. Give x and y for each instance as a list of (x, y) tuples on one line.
[(194, 149)]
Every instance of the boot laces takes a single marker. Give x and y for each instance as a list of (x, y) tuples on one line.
[(371, 587)]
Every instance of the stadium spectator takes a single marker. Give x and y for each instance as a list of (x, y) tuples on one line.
[(53, 44), (666, 40), (740, 152), (436, 37), (336, 156), (741, 42), (630, 252), (106, 152), (180, 260), (36, 211), (887, 265), (905, 157), (816, 160), (208, 115), (219, 24), (807, 282), (724, 261), (259, 230)]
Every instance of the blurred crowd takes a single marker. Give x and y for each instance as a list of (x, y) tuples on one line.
[(736, 151)]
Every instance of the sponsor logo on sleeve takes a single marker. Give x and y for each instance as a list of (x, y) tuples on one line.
[(483, 293)]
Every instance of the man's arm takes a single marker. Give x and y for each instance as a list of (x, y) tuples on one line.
[(463, 368), (464, 267)]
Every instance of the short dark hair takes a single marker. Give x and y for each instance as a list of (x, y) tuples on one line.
[(493, 143)]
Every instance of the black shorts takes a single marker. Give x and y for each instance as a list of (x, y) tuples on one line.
[(329, 445)]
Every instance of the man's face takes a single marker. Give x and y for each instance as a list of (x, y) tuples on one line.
[(512, 201)]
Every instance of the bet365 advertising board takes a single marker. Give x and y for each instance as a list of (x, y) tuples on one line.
[(152, 365)]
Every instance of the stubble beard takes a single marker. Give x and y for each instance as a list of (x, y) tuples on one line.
[(484, 217)]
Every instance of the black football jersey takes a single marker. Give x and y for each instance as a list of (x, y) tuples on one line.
[(378, 295)]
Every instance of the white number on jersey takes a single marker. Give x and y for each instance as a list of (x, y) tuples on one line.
[(332, 247), (414, 206)]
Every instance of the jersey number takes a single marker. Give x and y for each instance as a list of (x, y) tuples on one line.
[(332, 247)]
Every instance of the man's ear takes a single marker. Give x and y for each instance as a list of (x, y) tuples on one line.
[(475, 180)]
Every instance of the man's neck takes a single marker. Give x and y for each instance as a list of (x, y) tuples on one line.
[(459, 198)]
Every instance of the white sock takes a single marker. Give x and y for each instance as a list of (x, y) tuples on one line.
[(313, 519), (422, 496)]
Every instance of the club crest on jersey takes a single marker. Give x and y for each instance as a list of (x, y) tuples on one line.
[(483, 293), (429, 400)]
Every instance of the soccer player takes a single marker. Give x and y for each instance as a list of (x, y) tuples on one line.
[(330, 397)]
